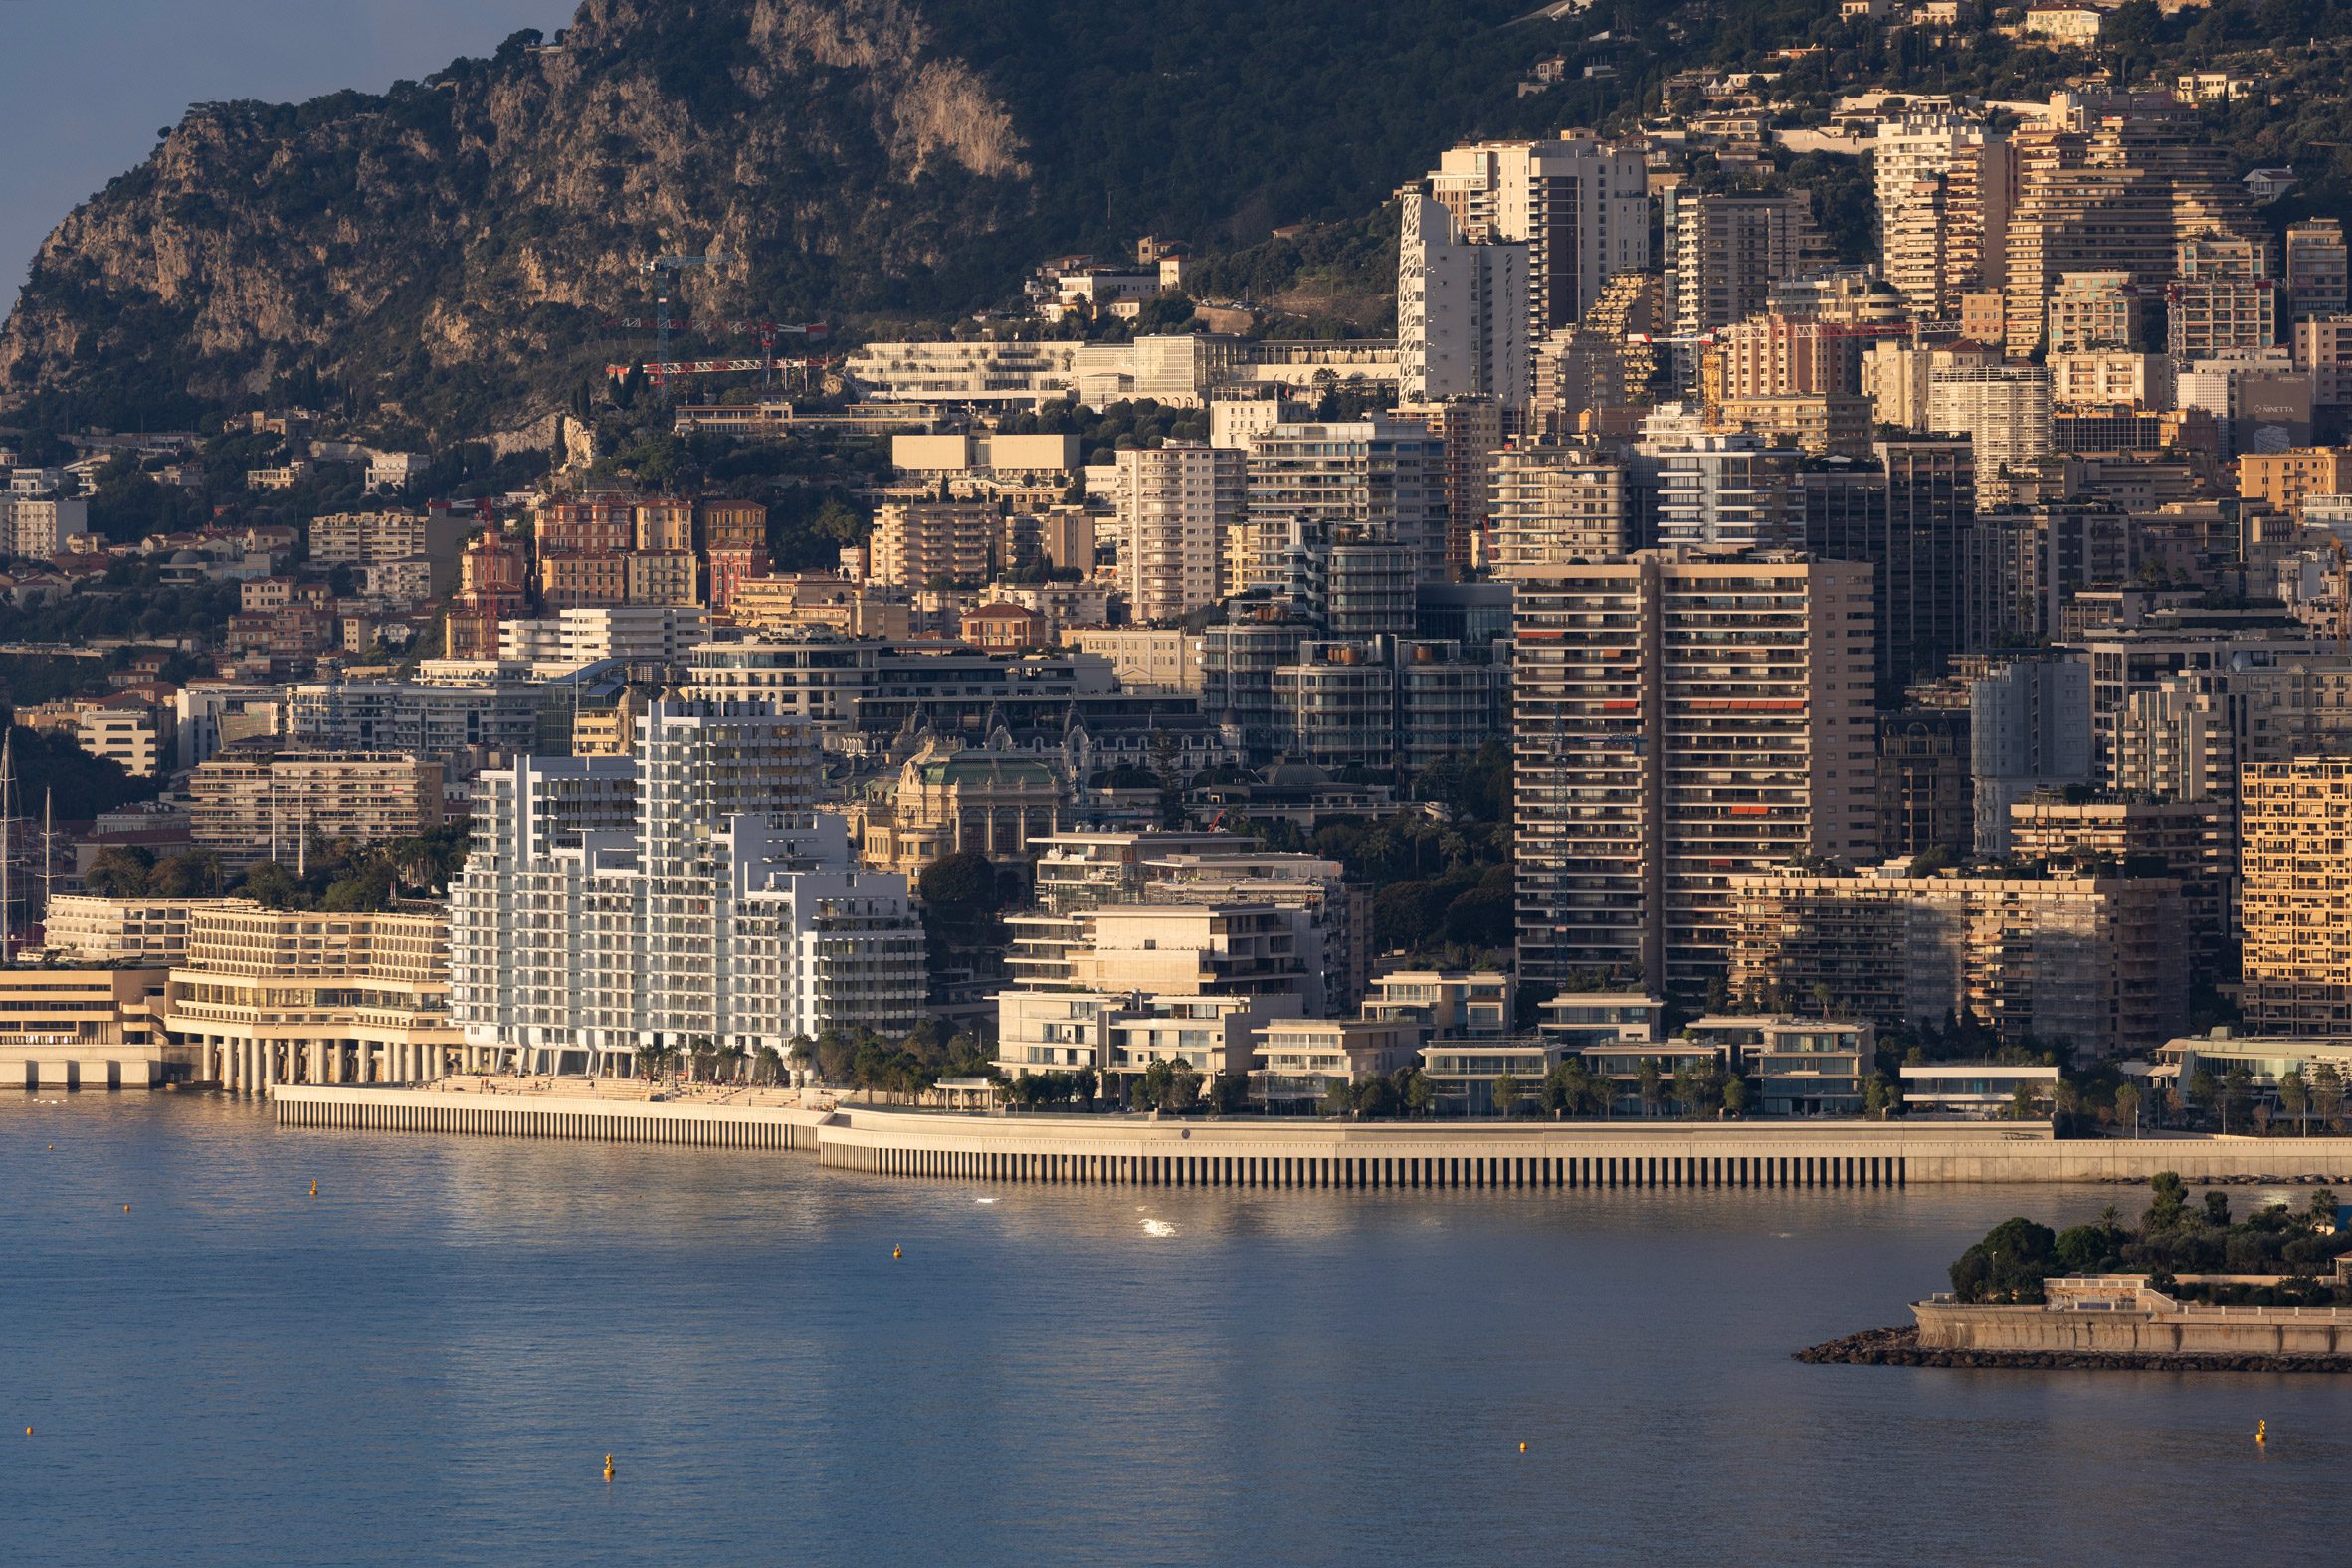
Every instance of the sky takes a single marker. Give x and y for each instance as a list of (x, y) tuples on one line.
[(88, 82)]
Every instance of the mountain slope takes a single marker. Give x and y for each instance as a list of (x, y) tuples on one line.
[(439, 255)]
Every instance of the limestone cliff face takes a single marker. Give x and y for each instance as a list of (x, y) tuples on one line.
[(443, 255), (446, 251)]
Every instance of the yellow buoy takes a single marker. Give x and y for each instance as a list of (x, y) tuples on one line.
[(2262, 1432), (896, 1253), (1522, 1448), (126, 1207), (28, 1431), (315, 1188), (608, 1467)]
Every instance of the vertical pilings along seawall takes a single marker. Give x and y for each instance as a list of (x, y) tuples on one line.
[(1137, 1152), (546, 1116)]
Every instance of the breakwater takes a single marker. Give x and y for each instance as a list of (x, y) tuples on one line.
[(1900, 1347), (1139, 1151)]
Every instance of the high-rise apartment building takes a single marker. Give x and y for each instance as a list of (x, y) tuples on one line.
[(1909, 514), (1473, 430), (1462, 310), (1177, 502), (2028, 731), (2092, 961), (250, 808), (1919, 202), (2004, 411), (2315, 268), (1720, 491), (1385, 477), (2225, 300), (684, 895), (1676, 721), (1559, 505), (2092, 310), (1728, 252), (2117, 194), (1580, 205), (2297, 819), (919, 543)]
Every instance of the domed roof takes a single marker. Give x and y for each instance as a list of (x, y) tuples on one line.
[(1293, 774)]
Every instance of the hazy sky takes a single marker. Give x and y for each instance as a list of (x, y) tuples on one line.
[(87, 83)]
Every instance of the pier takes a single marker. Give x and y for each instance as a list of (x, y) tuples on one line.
[(1137, 1152)]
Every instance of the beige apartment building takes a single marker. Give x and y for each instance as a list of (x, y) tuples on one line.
[(2283, 478), (2296, 907), (2092, 961), (1143, 658), (1176, 503), (1679, 721), (2092, 310), (1559, 504), (2190, 841), (256, 808), (919, 544)]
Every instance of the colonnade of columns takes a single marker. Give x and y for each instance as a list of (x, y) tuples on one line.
[(242, 1065)]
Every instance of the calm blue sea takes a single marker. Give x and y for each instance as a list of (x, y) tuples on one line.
[(428, 1362)]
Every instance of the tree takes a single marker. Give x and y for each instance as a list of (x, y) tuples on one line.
[(1507, 1093), (118, 871), (1874, 1097), (963, 881), (195, 874), (1685, 1091), (271, 886), (2205, 1090), (2168, 1201), (2237, 1095), (1339, 1097), (1376, 1097), (1419, 1093), (2009, 1265), (1649, 1079), (1184, 1088), (2128, 1108), (1735, 1095), (2327, 1094), (2294, 1096), (2216, 1208)]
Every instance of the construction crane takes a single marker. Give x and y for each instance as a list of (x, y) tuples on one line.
[(666, 270)]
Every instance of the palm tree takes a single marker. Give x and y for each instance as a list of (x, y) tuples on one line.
[(733, 1056), (769, 1068)]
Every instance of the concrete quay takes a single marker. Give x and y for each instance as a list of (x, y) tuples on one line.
[(1136, 1151)]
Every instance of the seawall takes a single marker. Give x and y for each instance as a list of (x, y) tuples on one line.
[(2136, 1331), (546, 1116), (1139, 1152)]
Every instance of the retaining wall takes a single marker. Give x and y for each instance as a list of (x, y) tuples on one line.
[(2211, 1330), (1140, 1152)]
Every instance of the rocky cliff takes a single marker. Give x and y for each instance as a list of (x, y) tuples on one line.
[(442, 257)]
